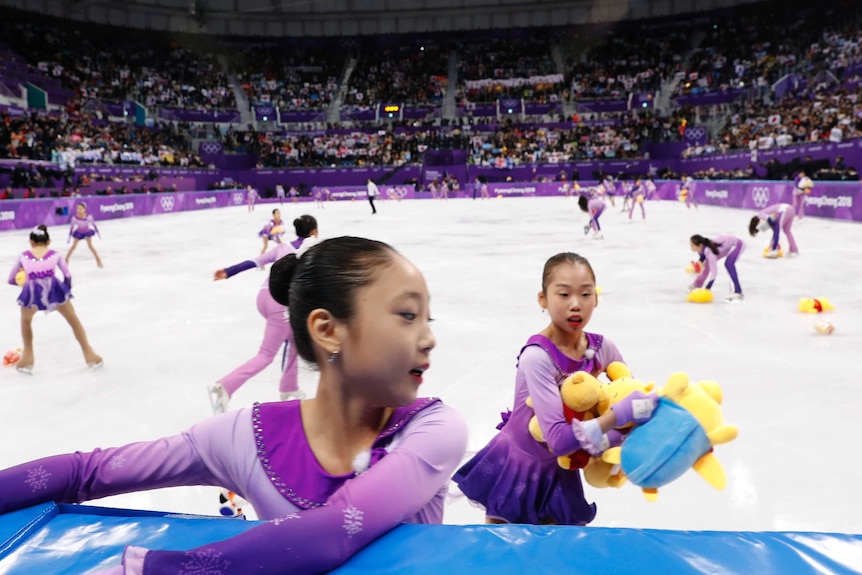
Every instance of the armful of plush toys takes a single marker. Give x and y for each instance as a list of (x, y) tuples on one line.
[(681, 434)]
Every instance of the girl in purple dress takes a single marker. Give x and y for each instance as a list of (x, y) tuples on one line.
[(516, 478), (277, 332), (83, 227), (330, 474), (273, 230), (43, 290)]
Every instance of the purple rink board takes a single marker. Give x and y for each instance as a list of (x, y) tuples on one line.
[(838, 200), (25, 214)]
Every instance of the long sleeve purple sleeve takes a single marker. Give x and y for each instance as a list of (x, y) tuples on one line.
[(543, 380), (408, 484), (15, 267), (274, 254), (92, 222), (317, 540), (710, 265), (543, 387)]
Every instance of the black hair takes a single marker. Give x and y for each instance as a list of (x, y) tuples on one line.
[(327, 276), (304, 225), (584, 203), (752, 225), (275, 210), (699, 240), (563, 258), (82, 204), (39, 235)]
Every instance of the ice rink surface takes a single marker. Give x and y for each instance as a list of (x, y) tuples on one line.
[(166, 331)]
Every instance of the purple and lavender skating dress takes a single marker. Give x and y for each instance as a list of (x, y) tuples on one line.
[(516, 478), (42, 289), (266, 232), (83, 228)]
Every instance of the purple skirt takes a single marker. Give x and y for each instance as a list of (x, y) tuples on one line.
[(515, 478), (82, 235), (44, 293)]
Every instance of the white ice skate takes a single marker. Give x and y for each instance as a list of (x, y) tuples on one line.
[(93, 366), (219, 398), (25, 369), (772, 254), (733, 298)]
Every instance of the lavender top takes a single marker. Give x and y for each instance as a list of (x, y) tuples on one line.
[(315, 520), (83, 225), (38, 268), (773, 211), (710, 260), (595, 206), (541, 370)]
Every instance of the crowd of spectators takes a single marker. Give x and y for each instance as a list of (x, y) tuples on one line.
[(607, 62), (114, 64), (514, 65), (72, 139), (294, 75), (406, 71)]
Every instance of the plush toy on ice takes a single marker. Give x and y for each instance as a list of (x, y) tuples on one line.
[(681, 434), (815, 305)]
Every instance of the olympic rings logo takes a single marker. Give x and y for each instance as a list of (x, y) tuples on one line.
[(210, 147), (237, 198), (167, 203), (760, 196)]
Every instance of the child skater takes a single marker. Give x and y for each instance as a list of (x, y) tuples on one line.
[(686, 190), (515, 477), (329, 474), (251, 196), (608, 188), (594, 207), (638, 193), (83, 227), (710, 251), (43, 290), (273, 230), (802, 186), (779, 217), (277, 331)]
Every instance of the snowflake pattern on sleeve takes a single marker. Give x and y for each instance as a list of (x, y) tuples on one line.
[(353, 520), (280, 520), (206, 562), (37, 478)]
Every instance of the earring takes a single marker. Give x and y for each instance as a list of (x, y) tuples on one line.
[(332, 357)]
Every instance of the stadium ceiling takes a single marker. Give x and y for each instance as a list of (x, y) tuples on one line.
[(357, 17)]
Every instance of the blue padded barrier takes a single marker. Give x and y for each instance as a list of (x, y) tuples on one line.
[(75, 540)]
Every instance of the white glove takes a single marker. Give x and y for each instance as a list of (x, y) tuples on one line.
[(763, 225)]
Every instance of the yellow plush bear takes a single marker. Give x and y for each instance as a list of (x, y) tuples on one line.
[(597, 472), (685, 426), (814, 305), (581, 394)]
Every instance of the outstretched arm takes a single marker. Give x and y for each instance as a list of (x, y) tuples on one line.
[(403, 485)]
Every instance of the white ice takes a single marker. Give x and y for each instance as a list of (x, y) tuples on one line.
[(166, 331)]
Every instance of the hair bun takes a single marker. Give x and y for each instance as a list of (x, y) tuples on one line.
[(280, 277)]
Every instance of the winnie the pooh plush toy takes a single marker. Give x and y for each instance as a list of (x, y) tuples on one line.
[(581, 393), (681, 434), (598, 472)]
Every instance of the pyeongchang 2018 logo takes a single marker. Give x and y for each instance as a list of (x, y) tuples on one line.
[(7, 215), (760, 195), (716, 194), (237, 198), (167, 203)]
